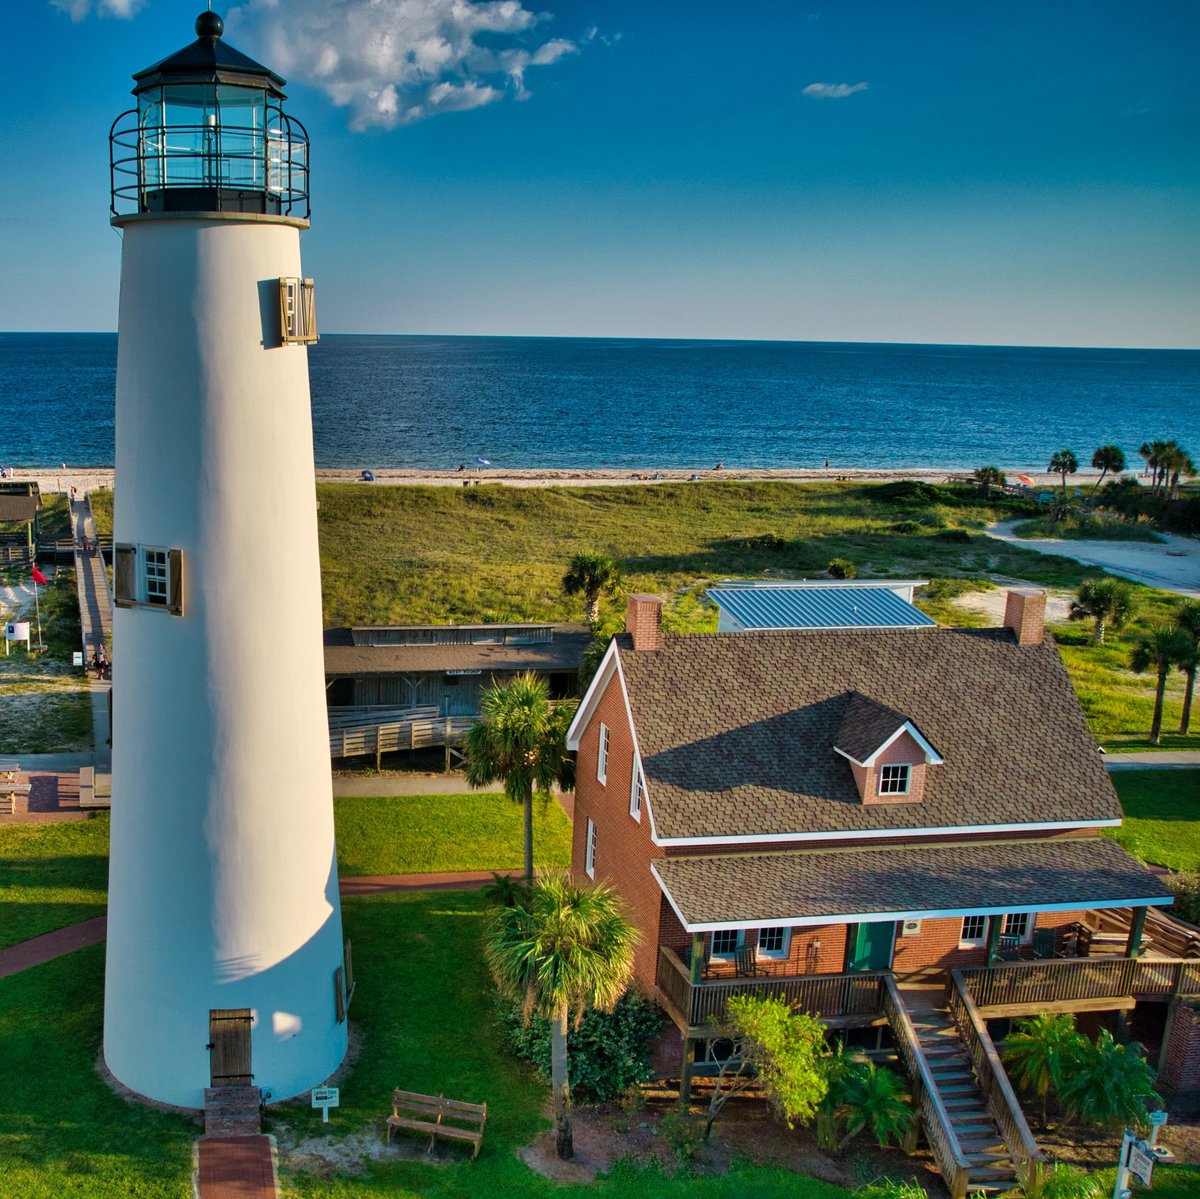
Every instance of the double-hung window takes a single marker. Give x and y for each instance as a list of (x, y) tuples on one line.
[(774, 942), (893, 780), (589, 853), (602, 755), (637, 791), (974, 931)]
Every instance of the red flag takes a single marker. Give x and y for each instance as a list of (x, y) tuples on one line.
[(38, 577)]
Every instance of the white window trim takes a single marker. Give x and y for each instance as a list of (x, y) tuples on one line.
[(143, 567), (589, 852), (637, 792), (727, 957), (776, 955), (602, 755), (1030, 925), (906, 767), (965, 942)]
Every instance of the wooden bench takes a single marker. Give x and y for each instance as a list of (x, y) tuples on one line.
[(430, 1113), (87, 787), (8, 796)]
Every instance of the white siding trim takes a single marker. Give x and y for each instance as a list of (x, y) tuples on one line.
[(587, 706), (932, 757)]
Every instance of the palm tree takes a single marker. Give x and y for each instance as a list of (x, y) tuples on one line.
[(1108, 601), (566, 950), (591, 575), (873, 1099), (1174, 461), (1163, 649), (987, 477), (1187, 620), (1108, 1084), (1108, 458), (520, 739), (1038, 1052), (1064, 463)]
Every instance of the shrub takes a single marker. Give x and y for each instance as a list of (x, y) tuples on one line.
[(1186, 888), (908, 527), (684, 1133), (954, 536), (842, 568), (608, 1054), (909, 491)]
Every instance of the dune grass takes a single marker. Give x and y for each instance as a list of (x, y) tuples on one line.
[(406, 834), (51, 875), (1162, 816)]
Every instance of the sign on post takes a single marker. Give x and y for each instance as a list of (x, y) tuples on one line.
[(325, 1098), (1158, 1118), (1141, 1162), (16, 630)]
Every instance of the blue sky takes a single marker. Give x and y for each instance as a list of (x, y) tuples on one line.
[(1026, 173)]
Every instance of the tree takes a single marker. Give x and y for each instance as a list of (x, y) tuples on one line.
[(1064, 463), (1109, 602), (987, 477), (1107, 1084), (591, 575), (520, 739), (1187, 620), (781, 1050), (566, 950), (865, 1097), (1174, 461), (1108, 458), (1038, 1053), (1163, 649)]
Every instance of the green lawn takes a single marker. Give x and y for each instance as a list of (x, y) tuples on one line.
[(428, 833), (51, 875), (1162, 816)]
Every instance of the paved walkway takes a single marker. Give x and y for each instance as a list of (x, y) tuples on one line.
[(95, 617), (236, 1168), (49, 946), (1172, 564), (407, 784), (1162, 759)]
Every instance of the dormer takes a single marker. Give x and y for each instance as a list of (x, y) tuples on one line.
[(888, 754)]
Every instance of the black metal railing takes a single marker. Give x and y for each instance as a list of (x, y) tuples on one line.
[(214, 167)]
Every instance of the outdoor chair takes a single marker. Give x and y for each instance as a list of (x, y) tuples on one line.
[(1010, 948), (1044, 943), (745, 962)]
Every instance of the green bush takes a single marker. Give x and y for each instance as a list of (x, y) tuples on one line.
[(608, 1054), (684, 1133), (908, 527), (842, 568), (1185, 886), (909, 491), (955, 536)]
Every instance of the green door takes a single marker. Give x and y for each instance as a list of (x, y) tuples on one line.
[(871, 946)]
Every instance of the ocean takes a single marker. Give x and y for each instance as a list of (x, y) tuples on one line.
[(428, 402)]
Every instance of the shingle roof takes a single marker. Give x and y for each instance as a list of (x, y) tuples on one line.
[(837, 885), (18, 507), (866, 725), (844, 607), (736, 730), (565, 652)]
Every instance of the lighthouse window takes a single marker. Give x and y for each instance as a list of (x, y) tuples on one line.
[(155, 576)]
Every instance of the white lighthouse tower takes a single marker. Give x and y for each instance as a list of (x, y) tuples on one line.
[(225, 955)]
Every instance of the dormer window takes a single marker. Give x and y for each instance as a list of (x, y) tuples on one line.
[(888, 755), (894, 780)]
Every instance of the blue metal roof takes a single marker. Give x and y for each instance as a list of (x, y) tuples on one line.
[(816, 608)]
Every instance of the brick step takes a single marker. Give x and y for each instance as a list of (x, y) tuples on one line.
[(232, 1111)]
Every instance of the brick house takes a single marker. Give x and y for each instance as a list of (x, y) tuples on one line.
[(832, 814)]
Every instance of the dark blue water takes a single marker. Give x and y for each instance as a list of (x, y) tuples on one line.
[(433, 402)]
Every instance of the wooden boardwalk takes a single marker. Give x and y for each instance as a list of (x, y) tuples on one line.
[(95, 619)]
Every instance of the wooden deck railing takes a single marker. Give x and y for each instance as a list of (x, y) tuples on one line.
[(830, 996), (406, 734), (1168, 935), (935, 1119), (1057, 980), (990, 1075)]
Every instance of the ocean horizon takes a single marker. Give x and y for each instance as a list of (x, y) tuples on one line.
[(431, 402)]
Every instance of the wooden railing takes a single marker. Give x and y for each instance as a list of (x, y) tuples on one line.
[(1168, 935), (990, 1075), (935, 1119), (406, 734), (830, 996), (1032, 984)]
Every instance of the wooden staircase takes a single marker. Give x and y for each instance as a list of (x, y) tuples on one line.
[(979, 1135)]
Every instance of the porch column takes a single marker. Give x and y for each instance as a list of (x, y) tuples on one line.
[(685, 1072), (1136, 927), (697, 962), (995, 924)]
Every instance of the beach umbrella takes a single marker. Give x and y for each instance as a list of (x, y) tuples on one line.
[(1026, 480), (484, 461), (368, 476)]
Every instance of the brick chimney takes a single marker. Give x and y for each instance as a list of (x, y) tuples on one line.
[(643, 621), (1025, 614)]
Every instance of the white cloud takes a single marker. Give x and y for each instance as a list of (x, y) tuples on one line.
[(78, 9), (833, 91), (393, 62)]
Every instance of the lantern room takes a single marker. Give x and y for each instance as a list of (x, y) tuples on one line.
[(209, 134)]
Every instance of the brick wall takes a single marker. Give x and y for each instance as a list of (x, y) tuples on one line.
[(904, 751), (1181, 1070), (623, 846), (1025, 615)]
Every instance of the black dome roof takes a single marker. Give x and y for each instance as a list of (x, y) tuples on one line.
[(208, 58)]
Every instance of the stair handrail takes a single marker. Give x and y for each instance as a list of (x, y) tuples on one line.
[(939, 1131), (991, 1076)]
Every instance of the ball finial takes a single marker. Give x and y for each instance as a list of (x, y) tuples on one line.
[(208, 24)]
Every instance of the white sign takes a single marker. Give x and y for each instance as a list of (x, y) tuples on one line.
[(77, 658), (1141, 1162), (325, 1098), (1157, 1118), (17, 630), (451, 673)]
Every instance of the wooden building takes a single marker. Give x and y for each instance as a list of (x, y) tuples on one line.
[(20, 503)]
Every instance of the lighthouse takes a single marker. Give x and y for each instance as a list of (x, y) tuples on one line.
[(226, 964)]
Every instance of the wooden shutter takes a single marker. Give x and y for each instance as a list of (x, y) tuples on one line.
[(124, 576), (339, 994), (175, 582), (297, 312), (348, 960)]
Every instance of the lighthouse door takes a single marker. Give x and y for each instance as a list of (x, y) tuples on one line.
[(229, 1047)]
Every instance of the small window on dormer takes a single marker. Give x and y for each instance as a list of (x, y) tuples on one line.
[(894, 780)]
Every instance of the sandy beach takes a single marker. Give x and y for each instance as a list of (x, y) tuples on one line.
[(90, 479)]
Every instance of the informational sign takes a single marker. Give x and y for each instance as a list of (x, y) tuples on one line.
[(1158, 1118), (462, 672), (1141, 1162), (325, 1098), (16, 630), (77, 658)]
